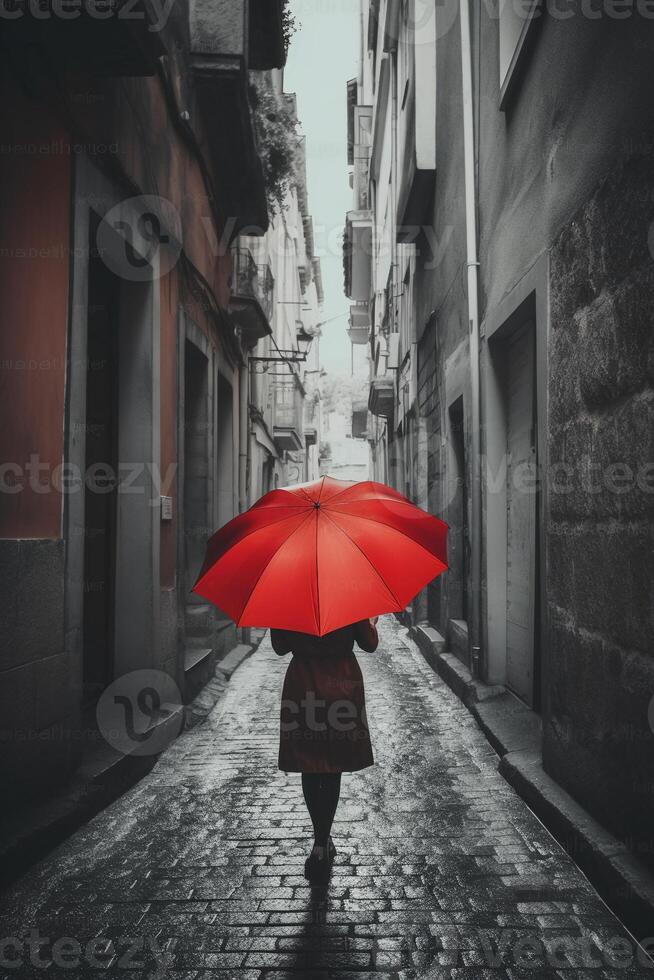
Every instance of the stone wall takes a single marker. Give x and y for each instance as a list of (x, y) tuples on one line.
[(39, 679), (430, 411), (599, 716)]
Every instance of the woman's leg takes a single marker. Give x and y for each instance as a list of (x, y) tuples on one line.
[(321, 794)]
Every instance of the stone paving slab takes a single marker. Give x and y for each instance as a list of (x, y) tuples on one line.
[(196, 873)]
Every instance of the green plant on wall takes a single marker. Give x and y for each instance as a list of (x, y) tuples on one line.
[(289, 24), (277, 140)]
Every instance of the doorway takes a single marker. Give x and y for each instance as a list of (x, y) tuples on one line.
[(225, 447), (267, 473), (101, 472), (196, 492), (521, 514), (459, 534), (514, 439), (112, 526), (196, 456)]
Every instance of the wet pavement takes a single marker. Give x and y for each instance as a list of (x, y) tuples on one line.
[(196, 873)]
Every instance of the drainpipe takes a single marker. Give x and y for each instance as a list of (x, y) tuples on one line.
[(473, 313), (394, 171), (244, 434)]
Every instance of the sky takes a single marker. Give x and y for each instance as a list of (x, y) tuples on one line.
[(323, 55)]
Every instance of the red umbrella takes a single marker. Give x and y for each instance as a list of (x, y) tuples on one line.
[(317, 556)]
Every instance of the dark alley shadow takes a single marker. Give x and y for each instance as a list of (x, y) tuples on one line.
[(324, 942)]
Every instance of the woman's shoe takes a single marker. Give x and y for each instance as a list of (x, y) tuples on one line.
[(318, 868)]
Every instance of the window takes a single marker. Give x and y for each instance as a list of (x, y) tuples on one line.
[(517, 18), (406, 308), (405, 54)]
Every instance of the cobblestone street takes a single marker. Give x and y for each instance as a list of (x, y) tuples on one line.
[(441, 869)]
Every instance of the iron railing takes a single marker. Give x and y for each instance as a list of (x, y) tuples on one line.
[(252, 281)]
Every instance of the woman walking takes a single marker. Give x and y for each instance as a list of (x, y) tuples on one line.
[(305, 560), (323, 725)]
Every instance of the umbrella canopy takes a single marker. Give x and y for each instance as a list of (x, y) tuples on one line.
[(318, 556)]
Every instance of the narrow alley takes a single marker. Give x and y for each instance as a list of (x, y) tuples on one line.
[(441, 870)]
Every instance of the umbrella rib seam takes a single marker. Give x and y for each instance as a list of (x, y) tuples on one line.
[(268, 507), (289, 493), (340, 492), (375, 570), (265, 567), (304, 494), (392, 500), (375, 495), (360, 517), (319, 623), (255, 530)]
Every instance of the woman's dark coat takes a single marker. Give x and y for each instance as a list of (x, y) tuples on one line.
[(323, 726)]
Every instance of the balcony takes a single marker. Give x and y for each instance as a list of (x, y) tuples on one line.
[(359, 326), (359, 420), (352, 98), (266, 42), (227, 38), (317, 278), (238, 33), (381, 401), (357, 255), (310, 435), (417, 133), (288, 407), (311, 417), (109, 46), (251, 302), (361, 153), (361, 178)]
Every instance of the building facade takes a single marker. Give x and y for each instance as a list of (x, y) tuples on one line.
[(499, 258), (284, 366), (132, 184)]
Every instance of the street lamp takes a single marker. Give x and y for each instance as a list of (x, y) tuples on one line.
[(304, 341)]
